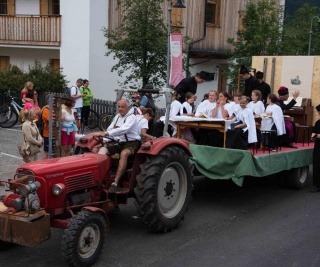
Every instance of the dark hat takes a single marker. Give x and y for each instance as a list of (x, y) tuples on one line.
[(259, 75), (283, 91), (318, 108), (244, 70), (148, 86), (203, 75)]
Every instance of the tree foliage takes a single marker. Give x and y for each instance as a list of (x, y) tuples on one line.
[(43, 78), (296, 32), (260, 35), (139, 44)]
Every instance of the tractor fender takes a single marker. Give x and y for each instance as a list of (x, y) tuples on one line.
[(153, 147), (101, 211)]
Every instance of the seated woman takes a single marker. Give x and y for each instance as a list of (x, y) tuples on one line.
[(187, 106), (187, 110), (256, 105), (278, 124), (175, 110), (243, 131)]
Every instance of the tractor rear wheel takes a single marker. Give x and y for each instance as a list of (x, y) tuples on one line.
[(84, 238), (163, 190)]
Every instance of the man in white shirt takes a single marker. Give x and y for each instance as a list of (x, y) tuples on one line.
[(126, 130), (76, 94)]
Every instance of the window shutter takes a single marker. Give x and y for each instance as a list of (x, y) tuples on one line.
[(44, 7), (11, 7), (4, 62)]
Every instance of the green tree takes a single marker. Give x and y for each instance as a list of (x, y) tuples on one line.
[(261, 35), (139, 44), (43, 78), (296, 32)]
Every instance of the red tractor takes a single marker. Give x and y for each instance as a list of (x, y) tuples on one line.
[(72, 193)]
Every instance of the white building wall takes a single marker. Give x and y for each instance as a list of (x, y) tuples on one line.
[(82, 53), (74, 50), (102, 81), (27, 7), (24, 57)]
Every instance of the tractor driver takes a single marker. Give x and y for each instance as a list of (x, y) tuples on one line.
[(126, 130)]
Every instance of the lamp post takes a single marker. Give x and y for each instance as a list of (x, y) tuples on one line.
[(310, 33), (178, 4)]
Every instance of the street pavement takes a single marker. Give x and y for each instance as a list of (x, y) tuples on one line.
[(259, 224)]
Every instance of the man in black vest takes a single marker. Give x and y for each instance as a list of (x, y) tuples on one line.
[(190, 84), (263, 87), (251, 83)]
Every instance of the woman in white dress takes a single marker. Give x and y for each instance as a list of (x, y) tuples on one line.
[(274, 111), (256, 105), (244, 130), (175, 110), (187, 106)]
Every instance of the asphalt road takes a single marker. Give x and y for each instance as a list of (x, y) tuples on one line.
[(259, 224)]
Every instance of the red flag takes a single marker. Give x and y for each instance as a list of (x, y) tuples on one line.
[(176, 58)]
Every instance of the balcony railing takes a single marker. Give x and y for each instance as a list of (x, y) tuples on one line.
[(30, 30)]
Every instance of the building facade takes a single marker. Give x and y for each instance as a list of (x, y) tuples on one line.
[(68, 35)]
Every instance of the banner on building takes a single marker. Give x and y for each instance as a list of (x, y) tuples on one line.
[(176, 68)]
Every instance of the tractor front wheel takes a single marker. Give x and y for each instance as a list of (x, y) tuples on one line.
[(163, 189), (84, 238)]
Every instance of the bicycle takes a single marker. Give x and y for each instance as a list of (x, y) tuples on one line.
[(9, 112), (93, 121), (105, 120)]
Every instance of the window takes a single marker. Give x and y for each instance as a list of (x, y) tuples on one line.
[(213, 12), (3, 7), (4, 62), (55, 7), (49, 7)]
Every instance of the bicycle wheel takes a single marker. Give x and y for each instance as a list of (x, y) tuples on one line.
[(104, 121), (12, 119), (4, 113), (93, 119)]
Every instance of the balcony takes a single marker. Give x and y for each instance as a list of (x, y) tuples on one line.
[(31, 30)]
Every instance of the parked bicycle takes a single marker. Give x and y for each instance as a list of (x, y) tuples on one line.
[(93, 120), (105, 120), (9, 112)]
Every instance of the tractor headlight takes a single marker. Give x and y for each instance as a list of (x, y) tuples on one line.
[(57, 189)]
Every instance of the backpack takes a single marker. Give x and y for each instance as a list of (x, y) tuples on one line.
[(40, 122), (69, 91)]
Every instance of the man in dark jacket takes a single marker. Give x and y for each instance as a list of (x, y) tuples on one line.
[(263, 87), (190, 84), (251, 83)]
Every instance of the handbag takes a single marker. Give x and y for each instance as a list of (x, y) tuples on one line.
[(33, 149), (24, 150)]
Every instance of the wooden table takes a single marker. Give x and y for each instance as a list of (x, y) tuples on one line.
[(184, 122)]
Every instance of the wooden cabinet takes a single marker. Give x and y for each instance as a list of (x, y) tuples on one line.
[(301, 115)]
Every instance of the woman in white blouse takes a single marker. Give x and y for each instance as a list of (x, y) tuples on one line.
[(256, 105)]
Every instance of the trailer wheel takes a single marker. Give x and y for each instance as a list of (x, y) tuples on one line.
[(84, 238), (6, 245), (297, 178), (163, 190)]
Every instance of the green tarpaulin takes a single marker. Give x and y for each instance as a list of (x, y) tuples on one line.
[(222, 163)]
